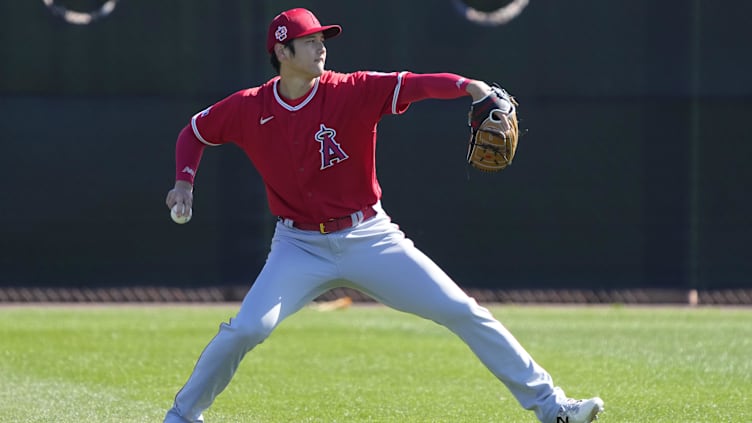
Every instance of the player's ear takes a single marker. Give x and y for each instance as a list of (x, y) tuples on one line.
[(280, 51)]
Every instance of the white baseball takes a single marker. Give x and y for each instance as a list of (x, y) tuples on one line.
[(180, 219)]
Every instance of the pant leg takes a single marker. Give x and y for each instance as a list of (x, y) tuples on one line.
[(394, 272), (292, 276)]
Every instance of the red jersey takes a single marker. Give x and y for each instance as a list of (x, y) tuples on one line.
[(317, 154)]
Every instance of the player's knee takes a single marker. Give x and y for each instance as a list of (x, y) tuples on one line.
[(460, 312), (250, 333)]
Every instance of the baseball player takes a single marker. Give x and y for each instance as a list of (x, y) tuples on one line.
[(311, 134)]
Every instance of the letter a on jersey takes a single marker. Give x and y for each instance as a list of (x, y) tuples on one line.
[(331, 152)]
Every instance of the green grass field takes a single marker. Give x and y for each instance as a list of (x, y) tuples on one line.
[(372, 364)]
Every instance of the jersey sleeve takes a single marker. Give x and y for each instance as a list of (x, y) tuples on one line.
[(381, 91), (394, 92), (443, 86), (188, 152), (219, 123)]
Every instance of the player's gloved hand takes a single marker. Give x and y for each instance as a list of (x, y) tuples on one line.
[(182, 193), (493, 130)]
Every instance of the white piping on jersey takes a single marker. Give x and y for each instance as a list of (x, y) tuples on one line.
[(197, 134), (299, 106), (396, 91)]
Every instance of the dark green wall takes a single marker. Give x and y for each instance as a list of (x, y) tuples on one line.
[(632, 171)]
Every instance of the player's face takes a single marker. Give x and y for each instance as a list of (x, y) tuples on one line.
[(310, 55)]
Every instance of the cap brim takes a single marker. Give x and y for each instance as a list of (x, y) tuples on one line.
[(330, 31)]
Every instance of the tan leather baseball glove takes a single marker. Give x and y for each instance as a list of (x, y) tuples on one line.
[(493, 131)]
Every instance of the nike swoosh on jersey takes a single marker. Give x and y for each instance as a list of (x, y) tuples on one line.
[(266, 119)]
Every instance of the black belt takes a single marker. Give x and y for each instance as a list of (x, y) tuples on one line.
[(338, 224)]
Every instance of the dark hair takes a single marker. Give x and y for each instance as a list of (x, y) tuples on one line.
[(273, 56)]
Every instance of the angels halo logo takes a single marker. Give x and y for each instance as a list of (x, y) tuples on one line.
[(77, 17), (490, 13)]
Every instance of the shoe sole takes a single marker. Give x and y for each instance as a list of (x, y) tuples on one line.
[(594, 414)]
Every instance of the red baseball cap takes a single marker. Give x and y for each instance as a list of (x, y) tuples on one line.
[(296, 23)]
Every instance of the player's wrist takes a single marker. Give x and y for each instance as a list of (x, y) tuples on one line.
[(478, 90), (183, 185)]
